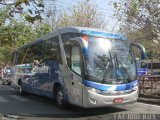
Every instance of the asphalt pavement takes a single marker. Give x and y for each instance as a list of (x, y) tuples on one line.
[(150, 100), (32, 107)]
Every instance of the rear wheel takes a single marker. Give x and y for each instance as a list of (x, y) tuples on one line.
[(9, 83), (2, 82), (60, 98)]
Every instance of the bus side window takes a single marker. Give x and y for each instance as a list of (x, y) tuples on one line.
[(76, 59), (52, 50), (19, 56)]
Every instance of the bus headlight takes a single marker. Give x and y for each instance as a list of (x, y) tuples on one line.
[(94, 90)]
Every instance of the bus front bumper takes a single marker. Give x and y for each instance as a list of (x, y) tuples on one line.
[(93, 99)]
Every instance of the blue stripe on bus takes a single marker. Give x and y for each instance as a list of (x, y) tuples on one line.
[(104, 87), (103, 34)]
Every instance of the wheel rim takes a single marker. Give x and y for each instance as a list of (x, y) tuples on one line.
[(60, 98)]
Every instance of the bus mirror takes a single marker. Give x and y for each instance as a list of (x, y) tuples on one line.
[(142, 49)]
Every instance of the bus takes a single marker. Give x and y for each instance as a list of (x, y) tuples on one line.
[(82, 66)]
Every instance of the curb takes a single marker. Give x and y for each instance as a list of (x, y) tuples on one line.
[(149, 100)]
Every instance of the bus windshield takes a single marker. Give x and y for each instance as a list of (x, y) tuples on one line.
[(109, 61)]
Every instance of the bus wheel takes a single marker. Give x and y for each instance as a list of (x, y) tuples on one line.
[(2, 82), (60, 98), (9, 83)]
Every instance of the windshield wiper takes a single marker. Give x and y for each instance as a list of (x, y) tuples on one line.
[(106, 71), (110, 62), (128, 79), (115, 65)]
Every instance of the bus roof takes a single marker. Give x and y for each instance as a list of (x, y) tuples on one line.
[(93, 32), (82, 30)]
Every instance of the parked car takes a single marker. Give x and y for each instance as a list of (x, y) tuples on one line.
[(6, 77)]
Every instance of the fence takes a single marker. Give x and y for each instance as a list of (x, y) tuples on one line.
[(150, 85)]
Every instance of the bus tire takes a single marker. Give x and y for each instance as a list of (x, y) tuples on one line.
[(60, 98), (9, 83), (2, 82)]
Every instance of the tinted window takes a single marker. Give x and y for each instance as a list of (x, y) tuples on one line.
[(33, 52), (14, 57), (52, 50), (19, 56), (76, 59), (67, 36), (37, 51), (74, 56)]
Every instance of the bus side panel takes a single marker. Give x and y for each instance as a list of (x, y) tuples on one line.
[(45, 78), (49, 75), (41, 78)]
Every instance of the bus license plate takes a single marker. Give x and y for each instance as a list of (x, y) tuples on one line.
[(118, 100)]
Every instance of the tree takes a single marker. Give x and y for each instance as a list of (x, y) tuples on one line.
[(141, 18), (30, 9), (15, 32), (41, 28), (83, 14)]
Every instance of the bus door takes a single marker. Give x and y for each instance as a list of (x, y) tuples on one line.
[(73, 79)]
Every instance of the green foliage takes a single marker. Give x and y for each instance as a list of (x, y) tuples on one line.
[(15, 33), (32, 19), (32, 14), (140, 21), (19, 2), (42, 28), (4, 15), (5, 54)]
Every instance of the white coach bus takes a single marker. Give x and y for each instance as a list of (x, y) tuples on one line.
[(82, 66)]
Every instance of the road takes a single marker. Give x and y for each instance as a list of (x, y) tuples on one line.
[(31, 107)]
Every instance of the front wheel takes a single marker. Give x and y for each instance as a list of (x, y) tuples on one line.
[(60, 98)]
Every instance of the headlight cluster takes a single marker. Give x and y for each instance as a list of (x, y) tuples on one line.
[(93, 90)]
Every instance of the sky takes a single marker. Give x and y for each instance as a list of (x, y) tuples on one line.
[(104, 7)]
